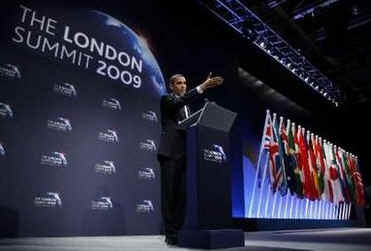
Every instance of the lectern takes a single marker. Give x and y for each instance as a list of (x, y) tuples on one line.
[(208, 222)]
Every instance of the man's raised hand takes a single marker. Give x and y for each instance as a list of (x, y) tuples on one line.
[(212, 82)]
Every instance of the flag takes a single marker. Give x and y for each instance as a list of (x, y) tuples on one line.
[(320, 162), (329, 190), (289, 155), (342, 175), (338, 190), (308, 184), (357, 179), (295, 161), (338, 196), (348, 175), (275, 162), (264, 149), (281, 167), (313, 168)]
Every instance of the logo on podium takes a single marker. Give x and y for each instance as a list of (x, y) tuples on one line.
[(215, 153)]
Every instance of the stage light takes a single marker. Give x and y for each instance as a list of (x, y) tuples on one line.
[(355, 10), (262, 44), (306, 79)]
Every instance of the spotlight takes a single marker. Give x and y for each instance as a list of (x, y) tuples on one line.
[(355, 10)]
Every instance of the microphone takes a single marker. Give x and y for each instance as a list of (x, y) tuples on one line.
[(208, 101)]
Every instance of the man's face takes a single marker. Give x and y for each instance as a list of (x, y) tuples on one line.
[(179, 86)]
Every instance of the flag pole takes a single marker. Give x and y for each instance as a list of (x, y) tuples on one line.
[(265, 169), (320, 208), (297, 216), (274, 204), (316, 202), (344, 210), (276, 193), (350, 208), (284, 164), (258, 167), (291, 205), (280, 207), (286, 206), (328, 211), (262, 187), (307, 200), (289, 195)]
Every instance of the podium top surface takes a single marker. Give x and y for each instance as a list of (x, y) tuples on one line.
[(211, 116)]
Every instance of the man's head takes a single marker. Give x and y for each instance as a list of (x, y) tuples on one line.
[(177, 84)]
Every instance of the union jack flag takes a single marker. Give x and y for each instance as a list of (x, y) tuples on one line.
[(275, 163)]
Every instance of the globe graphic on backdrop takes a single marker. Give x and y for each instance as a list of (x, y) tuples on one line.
[(127, 40)]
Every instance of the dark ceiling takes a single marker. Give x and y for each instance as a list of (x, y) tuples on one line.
[(334, 35)]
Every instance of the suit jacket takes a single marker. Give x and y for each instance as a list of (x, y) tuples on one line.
[(172, 142)]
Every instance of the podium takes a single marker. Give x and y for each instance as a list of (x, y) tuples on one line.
[(208, 222)]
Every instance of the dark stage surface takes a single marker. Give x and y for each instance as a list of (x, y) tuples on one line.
[(311, 239)]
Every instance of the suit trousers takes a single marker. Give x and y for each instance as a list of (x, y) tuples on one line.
[(173, 194)]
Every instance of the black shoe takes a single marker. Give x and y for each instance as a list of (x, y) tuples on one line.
[(171, 240)]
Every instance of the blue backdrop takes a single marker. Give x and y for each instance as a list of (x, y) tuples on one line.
[(80, 123)]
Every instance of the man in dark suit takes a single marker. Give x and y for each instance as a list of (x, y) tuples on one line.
[(171, 153)]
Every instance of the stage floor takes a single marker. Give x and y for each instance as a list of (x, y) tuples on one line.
[(339, 239)]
